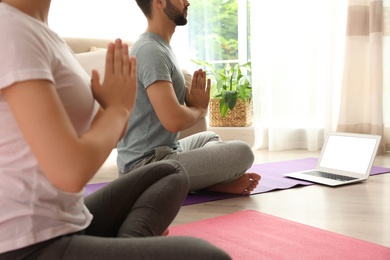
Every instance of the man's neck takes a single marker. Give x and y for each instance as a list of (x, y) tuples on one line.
[(163, 28)]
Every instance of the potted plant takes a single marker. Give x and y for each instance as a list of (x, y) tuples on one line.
[(231, 94)]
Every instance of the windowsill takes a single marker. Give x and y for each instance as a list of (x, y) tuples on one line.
[(246, 134)]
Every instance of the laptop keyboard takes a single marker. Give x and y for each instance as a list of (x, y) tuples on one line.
[(330, 176)]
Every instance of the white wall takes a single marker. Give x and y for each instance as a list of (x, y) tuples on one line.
[(108, 19), (97, 18)]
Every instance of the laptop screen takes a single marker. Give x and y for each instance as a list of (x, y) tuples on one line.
[(348, 153)]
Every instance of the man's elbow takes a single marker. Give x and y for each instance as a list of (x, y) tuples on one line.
[(173, 127), (176, 123)]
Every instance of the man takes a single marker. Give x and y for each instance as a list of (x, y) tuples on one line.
[(159, 113)]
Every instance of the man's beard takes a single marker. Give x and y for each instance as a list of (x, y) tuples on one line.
[(175, 14)]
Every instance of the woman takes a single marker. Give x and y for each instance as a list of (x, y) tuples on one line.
[(54, 137)]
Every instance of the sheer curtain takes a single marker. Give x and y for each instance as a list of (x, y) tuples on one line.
[(364, 88), (297, 60)]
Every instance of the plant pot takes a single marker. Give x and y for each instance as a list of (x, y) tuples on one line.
[(240, 116)]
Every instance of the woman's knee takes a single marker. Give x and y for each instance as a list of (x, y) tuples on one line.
[(178, 173)]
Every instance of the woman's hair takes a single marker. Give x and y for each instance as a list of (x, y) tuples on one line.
[(146, 7)]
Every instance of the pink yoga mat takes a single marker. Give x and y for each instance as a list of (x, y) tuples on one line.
[(254, 235)]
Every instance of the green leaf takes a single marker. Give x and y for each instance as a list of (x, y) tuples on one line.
[(230, 98), (242, 93), (230, 77), (238, 74), (222, 108)]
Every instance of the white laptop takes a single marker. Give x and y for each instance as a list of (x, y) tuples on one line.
[(345, 158)]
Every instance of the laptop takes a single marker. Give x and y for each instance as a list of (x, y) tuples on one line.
[(345, 158)]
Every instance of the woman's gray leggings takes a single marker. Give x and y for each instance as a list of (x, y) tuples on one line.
[(130, 214)]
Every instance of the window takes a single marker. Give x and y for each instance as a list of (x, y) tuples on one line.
[(218, 30)]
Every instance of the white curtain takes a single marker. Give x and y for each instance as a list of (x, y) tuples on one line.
[(364, 88), (386, 73), (297, 62)]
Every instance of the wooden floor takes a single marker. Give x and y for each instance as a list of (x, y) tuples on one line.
[(360, 210)]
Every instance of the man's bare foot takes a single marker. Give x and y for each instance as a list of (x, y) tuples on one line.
[(243, 185)]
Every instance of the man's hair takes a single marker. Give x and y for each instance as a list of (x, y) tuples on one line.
[(146, 7)]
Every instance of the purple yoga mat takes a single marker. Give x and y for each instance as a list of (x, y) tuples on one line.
[(271, 179)]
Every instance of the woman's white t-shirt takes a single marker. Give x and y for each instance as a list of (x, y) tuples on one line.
[(31, 208)]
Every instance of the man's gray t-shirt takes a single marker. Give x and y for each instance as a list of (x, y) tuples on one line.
[(155, 61)]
